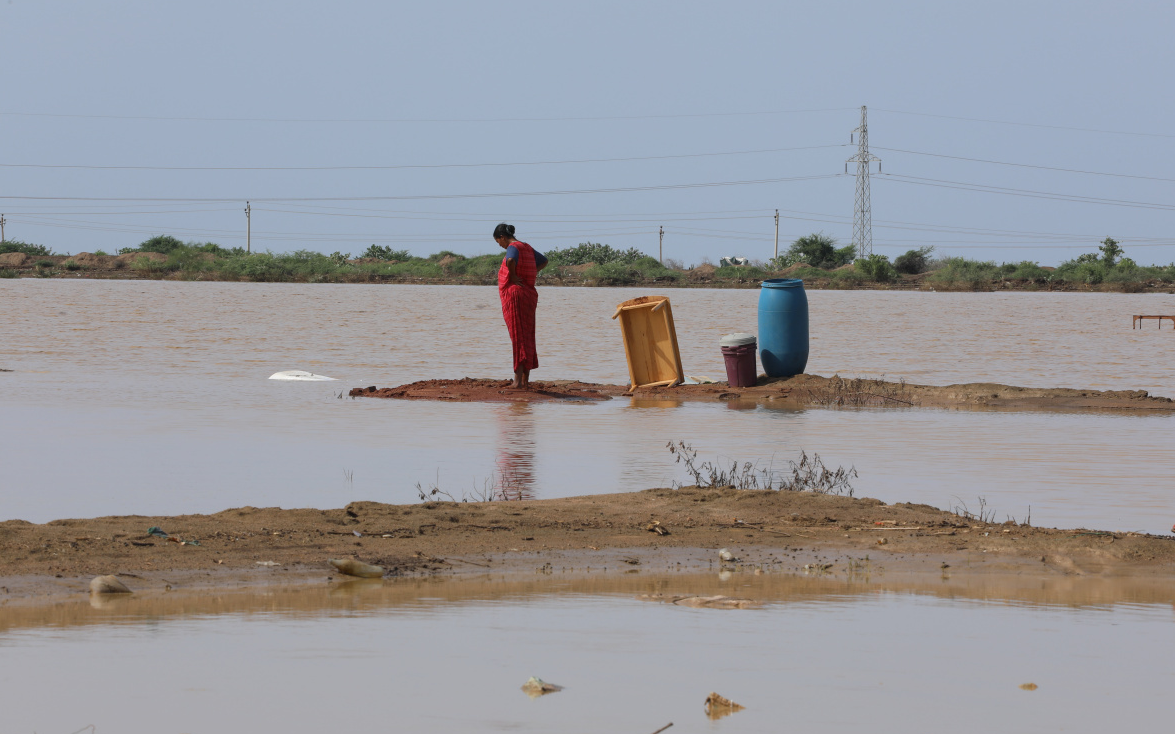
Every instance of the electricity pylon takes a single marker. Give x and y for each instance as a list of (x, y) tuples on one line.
[(862, 210)]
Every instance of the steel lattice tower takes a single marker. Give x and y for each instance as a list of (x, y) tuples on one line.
[(862, 210)]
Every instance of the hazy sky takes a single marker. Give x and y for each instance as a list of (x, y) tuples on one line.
[(421, 125)]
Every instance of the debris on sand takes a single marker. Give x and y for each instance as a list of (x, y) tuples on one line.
[(656, 527), (481, 390), (535, 687), (702, 602), (108, 585), (357, 568), (719, 706), (726, 556)]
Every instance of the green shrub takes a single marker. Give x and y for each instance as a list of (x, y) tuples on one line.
[(615, 273), (44, 263), (73, 265), (876, 268), (956, 271), (481, 267), (148, 265), (380, 252), (9, 273), (1026, 270), (25, 247), (162, 243), (594, 252), (818, 250), (913, 262)]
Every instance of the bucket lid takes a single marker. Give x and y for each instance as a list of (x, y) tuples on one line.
[(737, 339)]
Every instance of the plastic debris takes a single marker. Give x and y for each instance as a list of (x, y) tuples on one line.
[(1028, 686), (108, 585), (267, 563), (726, 556), (719, 706), (300, 375), (656, 527), (535, 687), (357, 568), (157, 532)]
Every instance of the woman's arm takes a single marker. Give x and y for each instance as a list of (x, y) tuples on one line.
[(512, 267)]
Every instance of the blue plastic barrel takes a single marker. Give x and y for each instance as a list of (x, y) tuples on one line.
[(783, 327)]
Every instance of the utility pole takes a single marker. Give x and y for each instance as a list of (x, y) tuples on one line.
[(862, 209), (776, 234), (2, 221), (248, 228), (660, 246)]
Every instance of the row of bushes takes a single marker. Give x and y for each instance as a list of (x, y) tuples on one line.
[(813, 258)]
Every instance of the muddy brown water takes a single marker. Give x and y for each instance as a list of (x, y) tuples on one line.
[(822, 653), (151, 397)]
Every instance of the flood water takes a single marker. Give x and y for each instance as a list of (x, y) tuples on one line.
[(152, 398), (822, 654)]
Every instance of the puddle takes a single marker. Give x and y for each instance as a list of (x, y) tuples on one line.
[(821, 654)]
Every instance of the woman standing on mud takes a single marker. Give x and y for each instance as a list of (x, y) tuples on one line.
[(520, 299)]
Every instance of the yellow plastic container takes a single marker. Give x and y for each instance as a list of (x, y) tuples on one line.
[(650, 342)]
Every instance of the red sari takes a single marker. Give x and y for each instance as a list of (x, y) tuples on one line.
[(519, 303)]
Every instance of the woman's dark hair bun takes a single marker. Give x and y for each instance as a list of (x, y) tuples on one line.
[(504, 230)]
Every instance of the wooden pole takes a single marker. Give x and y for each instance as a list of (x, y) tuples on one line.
[(248, 228), (660, 246)]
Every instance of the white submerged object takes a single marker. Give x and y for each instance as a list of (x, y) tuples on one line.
[(301, 375)]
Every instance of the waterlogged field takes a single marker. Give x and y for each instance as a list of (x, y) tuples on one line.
[(152, 397)]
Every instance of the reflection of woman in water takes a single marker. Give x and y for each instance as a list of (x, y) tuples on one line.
[(515, 451), (520, 299)]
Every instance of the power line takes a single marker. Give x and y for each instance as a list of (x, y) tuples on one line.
[(87, 167), (382, 120), (1029, 124), (1027, 193), (1027, 165), (420, 197)]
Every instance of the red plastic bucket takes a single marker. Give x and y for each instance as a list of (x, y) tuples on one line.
[(741, 359)]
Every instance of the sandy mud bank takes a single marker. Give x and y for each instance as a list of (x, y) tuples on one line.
[(679, 529), (801, 390)]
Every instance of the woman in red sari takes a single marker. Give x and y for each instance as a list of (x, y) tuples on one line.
[(520, 299)]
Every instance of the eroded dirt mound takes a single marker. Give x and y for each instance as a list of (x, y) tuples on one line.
[(471, 389), (800, 390), (801, 531)]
